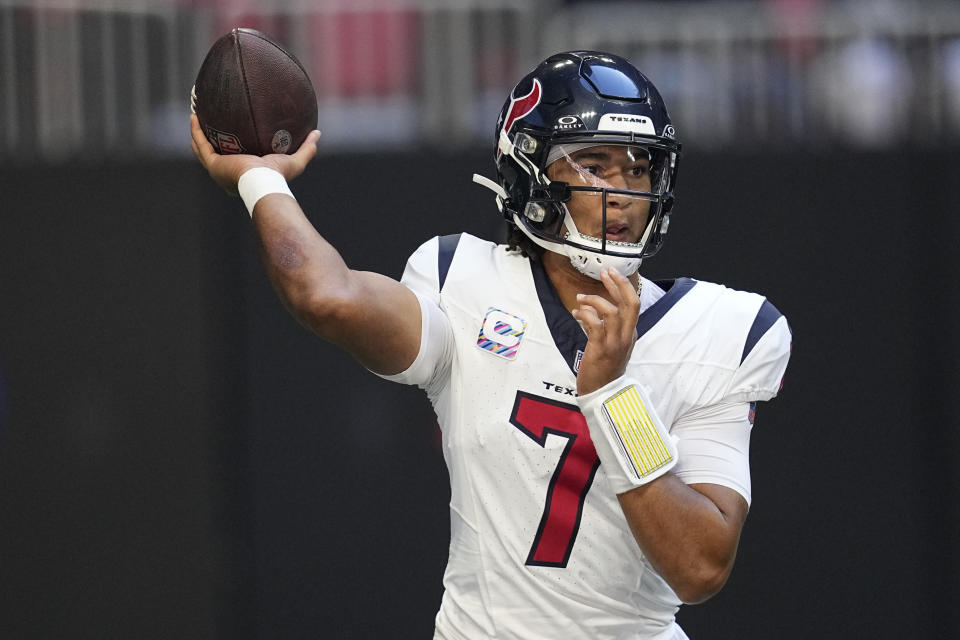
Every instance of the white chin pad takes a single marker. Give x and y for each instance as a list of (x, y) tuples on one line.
[(593, 264)]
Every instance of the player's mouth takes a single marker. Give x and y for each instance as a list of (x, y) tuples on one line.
[(618, 232)]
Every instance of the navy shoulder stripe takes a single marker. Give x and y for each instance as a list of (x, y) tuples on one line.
[(675, 290), (448, 247), (766, 316)]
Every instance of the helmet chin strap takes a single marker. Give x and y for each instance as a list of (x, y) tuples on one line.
[(484, 181), (589, 263)]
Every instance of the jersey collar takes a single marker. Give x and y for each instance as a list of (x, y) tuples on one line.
[(567, 334)]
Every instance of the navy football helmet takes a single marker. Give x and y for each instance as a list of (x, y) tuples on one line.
[(572, 101)]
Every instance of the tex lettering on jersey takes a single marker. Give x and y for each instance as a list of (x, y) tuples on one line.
[(501, 333)]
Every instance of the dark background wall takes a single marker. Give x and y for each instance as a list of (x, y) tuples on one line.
[(179, 459)]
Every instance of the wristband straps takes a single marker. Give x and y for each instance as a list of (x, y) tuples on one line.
[(634, 445), (258, 182)]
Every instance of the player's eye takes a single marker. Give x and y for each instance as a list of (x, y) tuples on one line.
[(639, 171)]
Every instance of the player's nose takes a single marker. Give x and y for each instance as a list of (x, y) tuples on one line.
[(616, 181), (616, 200)]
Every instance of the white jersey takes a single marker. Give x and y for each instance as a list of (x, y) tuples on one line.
[(540, 547)]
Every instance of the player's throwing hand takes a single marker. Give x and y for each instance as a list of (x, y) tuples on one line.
[(227, 169), (611, 329)]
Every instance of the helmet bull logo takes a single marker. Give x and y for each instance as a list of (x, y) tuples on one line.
[(520, 107)]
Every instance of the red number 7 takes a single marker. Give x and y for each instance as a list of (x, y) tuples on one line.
[(538, 418)]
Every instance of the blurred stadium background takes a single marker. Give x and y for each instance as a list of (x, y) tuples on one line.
[(178, 459), (101, 78)]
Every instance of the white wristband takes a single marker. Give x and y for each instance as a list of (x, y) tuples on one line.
[(258, 182), (634, 445)]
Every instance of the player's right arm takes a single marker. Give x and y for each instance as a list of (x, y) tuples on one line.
[(373, 317)]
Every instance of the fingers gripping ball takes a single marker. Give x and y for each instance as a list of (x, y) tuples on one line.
[(253, 96)]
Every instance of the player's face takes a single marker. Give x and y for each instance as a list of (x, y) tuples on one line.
[(607, 167)]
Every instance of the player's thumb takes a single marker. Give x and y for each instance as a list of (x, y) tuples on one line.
[(294, 164), (308, 149)]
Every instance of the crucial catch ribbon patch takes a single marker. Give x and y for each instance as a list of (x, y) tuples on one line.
[(501, 333)]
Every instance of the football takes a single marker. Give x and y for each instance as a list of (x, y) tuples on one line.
[(253, 96)]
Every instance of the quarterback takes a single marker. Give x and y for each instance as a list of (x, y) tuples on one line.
[(596, 424)]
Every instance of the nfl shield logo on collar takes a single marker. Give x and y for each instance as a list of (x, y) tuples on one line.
[(501, 333)]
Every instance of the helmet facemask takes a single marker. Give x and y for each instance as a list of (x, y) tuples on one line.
[(622, 180)]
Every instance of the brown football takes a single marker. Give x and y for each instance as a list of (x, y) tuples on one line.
[(253, 96)]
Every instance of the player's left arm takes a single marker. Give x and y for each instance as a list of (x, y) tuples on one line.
[(689, 533)]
